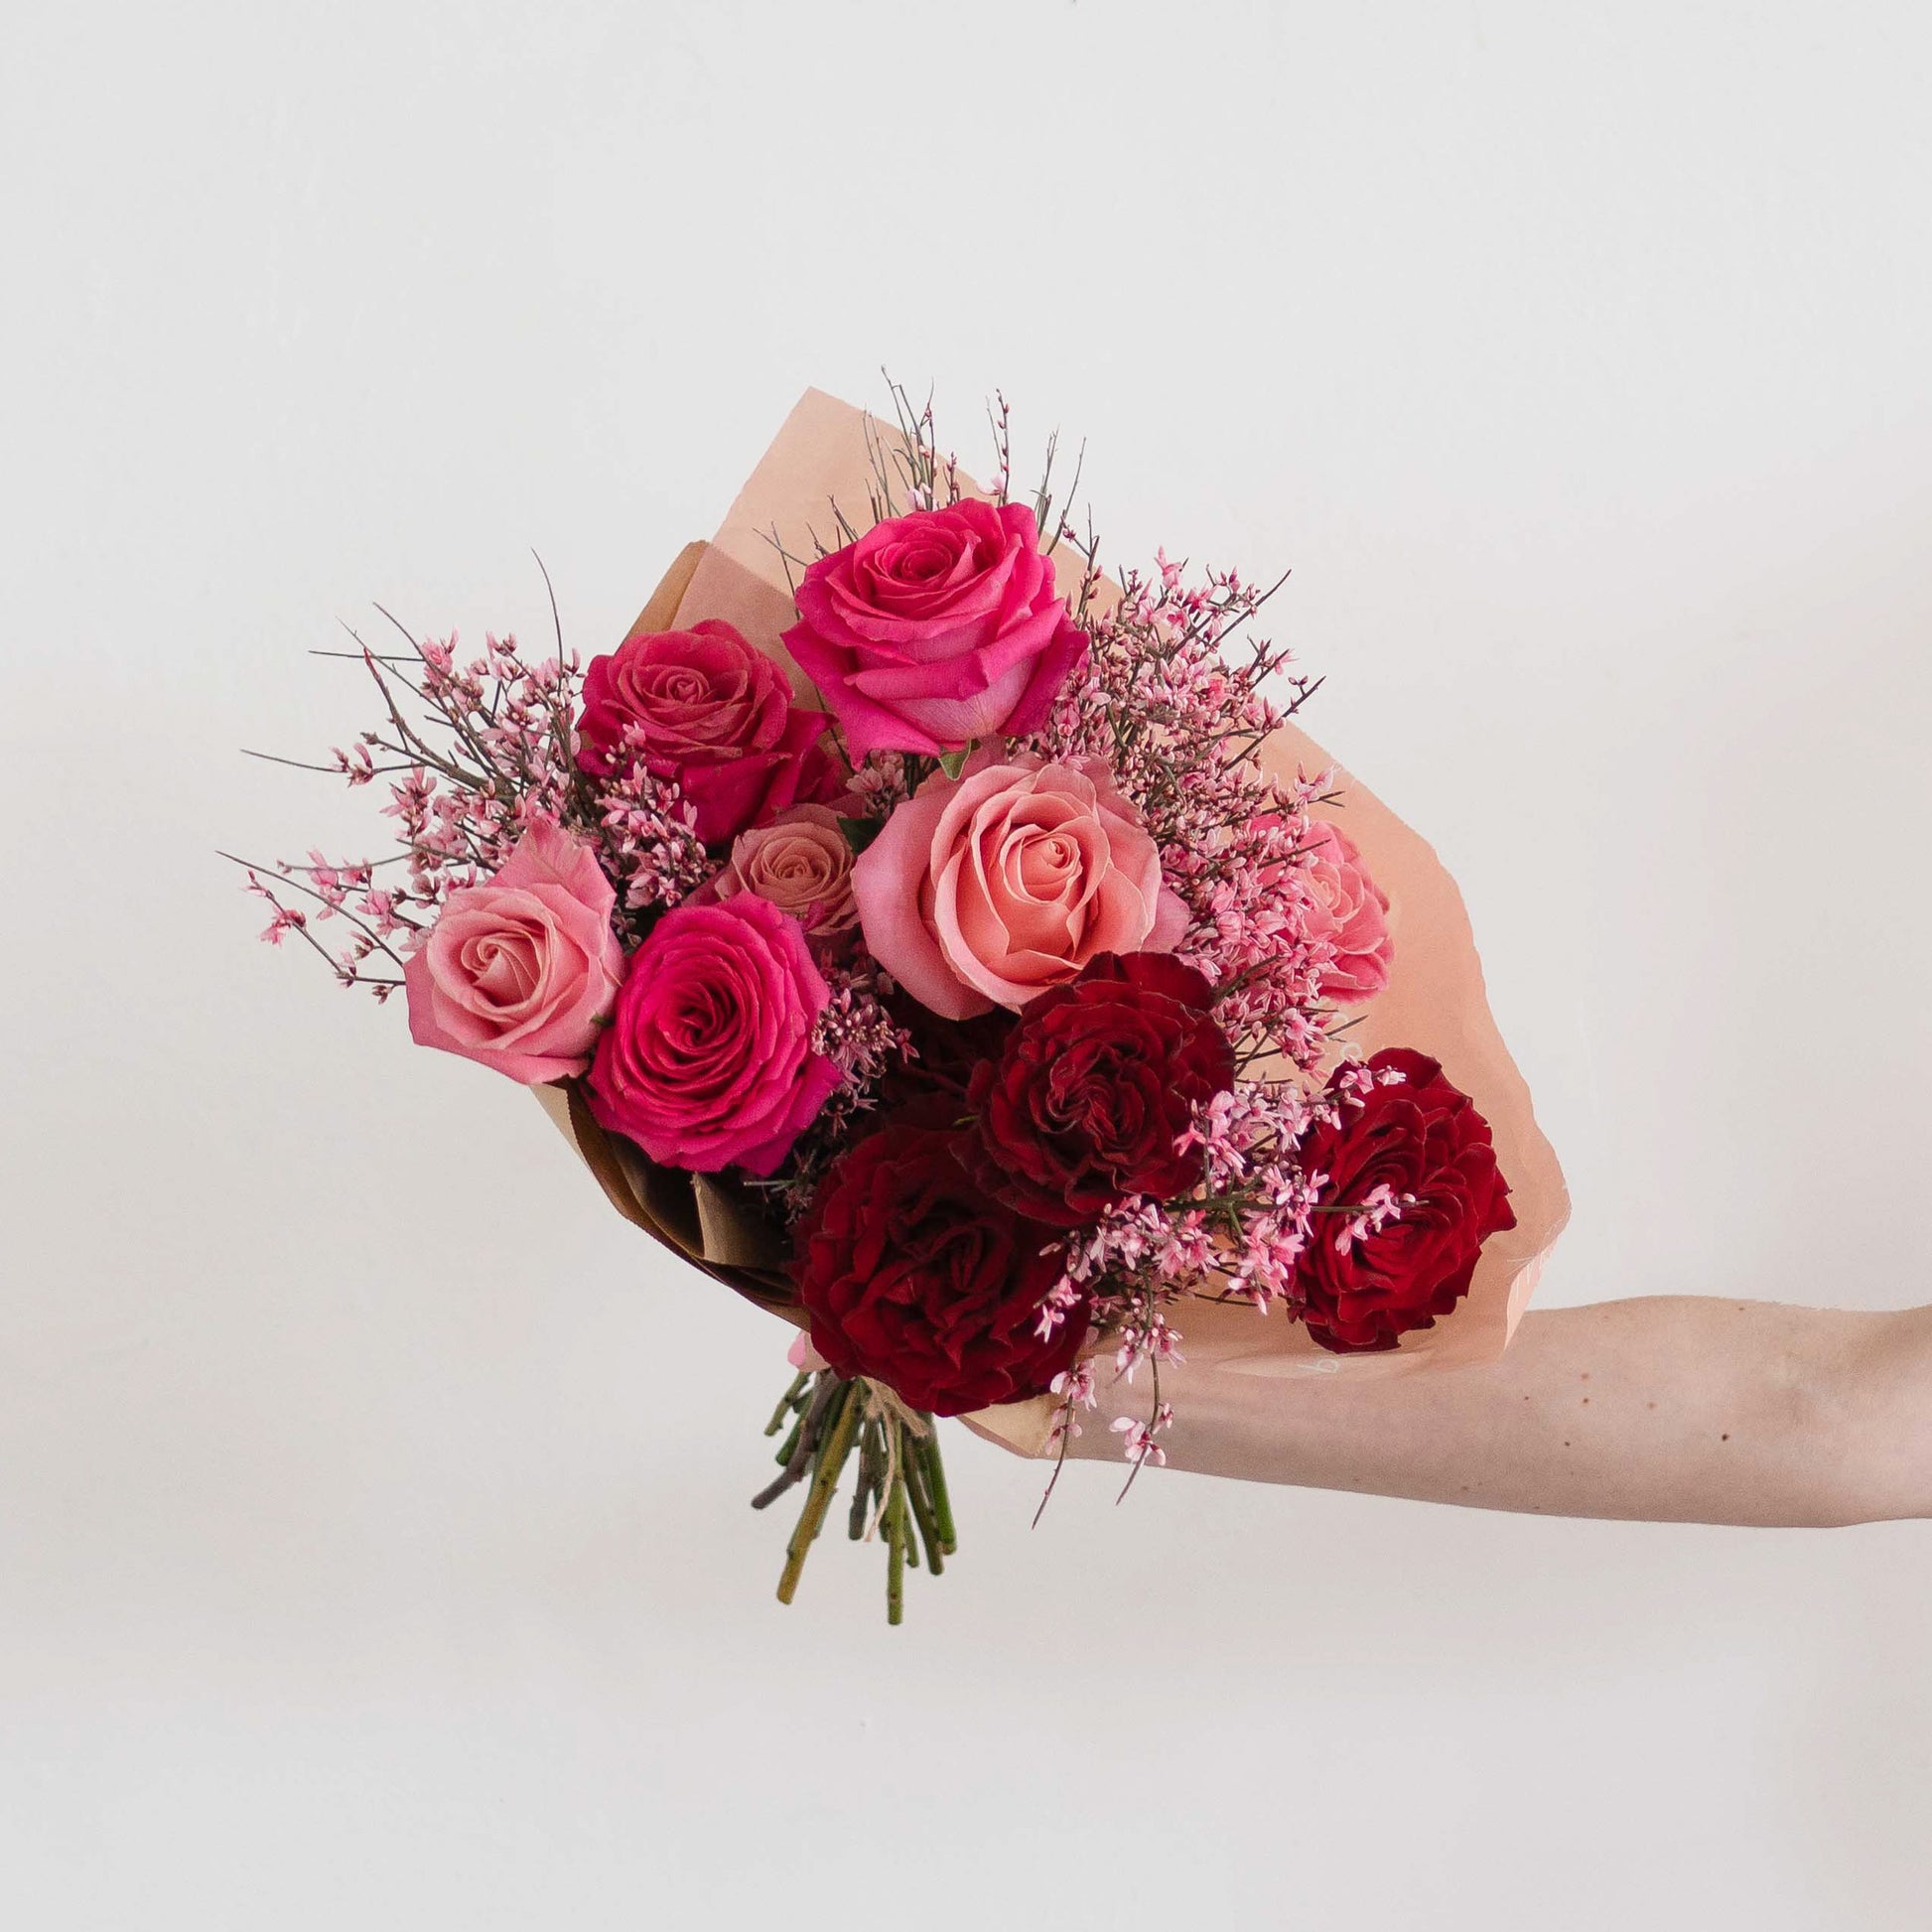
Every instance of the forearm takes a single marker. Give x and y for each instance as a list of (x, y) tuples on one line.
[(1679, 1409)]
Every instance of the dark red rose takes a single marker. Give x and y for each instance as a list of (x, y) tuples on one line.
[(1425, 1138), (1096, 1082), (912, 1275), (945, 1054), (701, 706)]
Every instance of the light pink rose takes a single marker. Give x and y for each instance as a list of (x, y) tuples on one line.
[(988, 888), (936, 628), (1346, 908), (801, 862), (518, 972)]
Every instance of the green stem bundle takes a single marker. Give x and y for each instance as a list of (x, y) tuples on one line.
[(899, 1493)]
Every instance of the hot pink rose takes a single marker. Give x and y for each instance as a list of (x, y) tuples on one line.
[(936, 628), (801, 862), (701, 706), (518, 972), (993, 886), (708, 1058), (1346, 908)]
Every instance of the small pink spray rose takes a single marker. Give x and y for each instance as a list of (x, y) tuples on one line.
[(803, 864), (708, 1059), (518, 972), (988, 888), (936, 628)]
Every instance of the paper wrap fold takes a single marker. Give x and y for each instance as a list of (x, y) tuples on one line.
[(1434, 999)]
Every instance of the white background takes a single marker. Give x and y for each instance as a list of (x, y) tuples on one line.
[(372, 1541)]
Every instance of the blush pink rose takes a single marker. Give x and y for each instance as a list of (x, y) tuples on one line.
[(801, 862), (1348, 910), (936, 628), (986, 890), (708, 1059), (517, 973), (703, 707)]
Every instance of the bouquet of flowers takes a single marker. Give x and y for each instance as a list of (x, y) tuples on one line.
[(957, 953)]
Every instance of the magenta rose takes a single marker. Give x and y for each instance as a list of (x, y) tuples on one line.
[(1346, 910), (708, 1058), (988, 888), (936, 628), (518, 972), (701, 706)]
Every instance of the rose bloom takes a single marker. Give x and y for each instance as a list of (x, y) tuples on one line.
[(704, 708), (936, 628), (914, 1276), (1097, 1082), (1421, 1137), (1346, 908), (944, 1055), (988, 888), (708, 1058), (518, 972), (801, 862)]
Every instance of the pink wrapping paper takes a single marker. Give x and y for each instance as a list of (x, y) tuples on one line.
[(1435, 1000)]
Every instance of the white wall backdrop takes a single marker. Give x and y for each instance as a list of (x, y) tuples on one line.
[(372, 1539)]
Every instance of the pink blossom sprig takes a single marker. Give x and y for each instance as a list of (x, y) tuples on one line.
[(475, 750), (861, 1040), (882, 784), (650, 847), (1134, 1318), (866, 1044), (1177, 714)]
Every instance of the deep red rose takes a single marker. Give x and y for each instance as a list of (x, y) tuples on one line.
[(915, 1275), (701, 706), (1421, 1137), (1097, 1083), (945, 1054)]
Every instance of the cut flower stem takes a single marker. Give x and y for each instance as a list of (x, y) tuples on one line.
[(899, 1489)]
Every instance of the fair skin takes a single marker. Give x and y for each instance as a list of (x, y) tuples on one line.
[(1666, 1408)]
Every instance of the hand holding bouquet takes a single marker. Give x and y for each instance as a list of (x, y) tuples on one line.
[(979, 997)]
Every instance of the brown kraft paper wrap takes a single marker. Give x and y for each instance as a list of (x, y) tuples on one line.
[(1434, 999)]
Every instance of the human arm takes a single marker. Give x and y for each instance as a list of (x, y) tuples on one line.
[(1675, 1409)]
